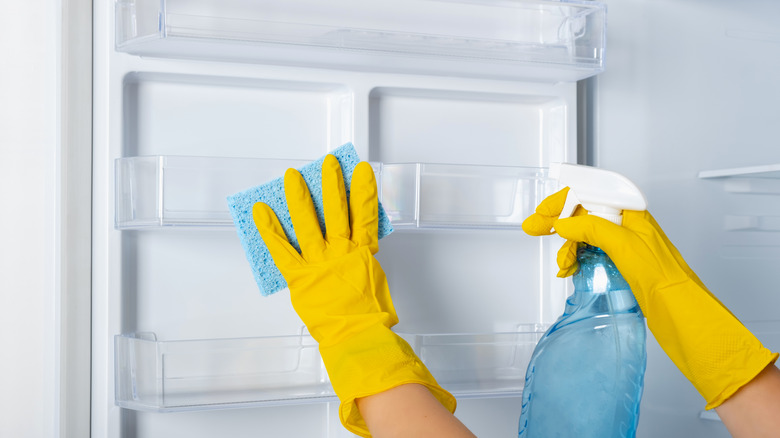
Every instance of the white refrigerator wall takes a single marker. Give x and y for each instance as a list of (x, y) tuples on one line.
[(691, 86)]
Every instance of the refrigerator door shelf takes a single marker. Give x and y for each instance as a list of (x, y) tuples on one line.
[(170, 376), (763, 179), (164, 376), (530, 39), (182, 191), (479, 365), (750, 216), (766, 171)]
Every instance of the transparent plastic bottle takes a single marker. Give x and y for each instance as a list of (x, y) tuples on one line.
[(586, 374)]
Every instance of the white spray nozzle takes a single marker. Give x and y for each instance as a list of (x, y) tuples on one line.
[(601, 192)]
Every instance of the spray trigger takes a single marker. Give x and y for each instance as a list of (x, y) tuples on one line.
[(569, 207), (601, 192)]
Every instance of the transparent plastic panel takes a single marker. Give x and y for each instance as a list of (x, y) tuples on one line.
[(554, 40), (137, 369), (198, 374), (169, 376), (479, 365), (460, 196), (138, 191), (163, 191)]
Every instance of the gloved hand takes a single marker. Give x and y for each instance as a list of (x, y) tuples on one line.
[(339, 289), (701, 336)]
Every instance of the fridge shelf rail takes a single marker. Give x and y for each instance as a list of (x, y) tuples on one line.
[(752, 229), (763, 179), (558, 40), (164, 191), (766, 171), (169, 376)]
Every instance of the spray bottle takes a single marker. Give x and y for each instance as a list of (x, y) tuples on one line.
[(586, 374)]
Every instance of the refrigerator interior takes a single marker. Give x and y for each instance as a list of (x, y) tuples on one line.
[(195, 100), (198, 100), (687, 108)]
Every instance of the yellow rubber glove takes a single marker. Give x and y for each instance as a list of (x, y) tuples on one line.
[(339, 289), (701, 336)]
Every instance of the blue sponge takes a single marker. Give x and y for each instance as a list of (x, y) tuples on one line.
[(267, 275)]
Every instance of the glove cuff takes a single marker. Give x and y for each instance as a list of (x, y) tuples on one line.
[(371, 362), (756, 363), (711, 347)]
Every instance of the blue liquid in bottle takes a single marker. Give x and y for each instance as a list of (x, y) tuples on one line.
[(586, 374)]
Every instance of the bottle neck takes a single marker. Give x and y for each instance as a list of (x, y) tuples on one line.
[(597, 273)]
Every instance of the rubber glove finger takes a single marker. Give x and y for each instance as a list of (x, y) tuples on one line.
[(567, 254), (364, 207), (303, 216), (622, 244), (541, 222), (567, 259), (596, 231), (637, 262), (334, 200), (275, 239)]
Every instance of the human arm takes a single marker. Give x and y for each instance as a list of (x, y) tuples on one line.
[(754, 410), (702, 337), (409, 411), (340, 292)]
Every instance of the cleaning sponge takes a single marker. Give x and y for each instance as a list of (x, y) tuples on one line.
[(266, 274)]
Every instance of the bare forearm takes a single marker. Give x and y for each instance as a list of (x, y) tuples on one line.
[(409, 411), (754, 410)]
